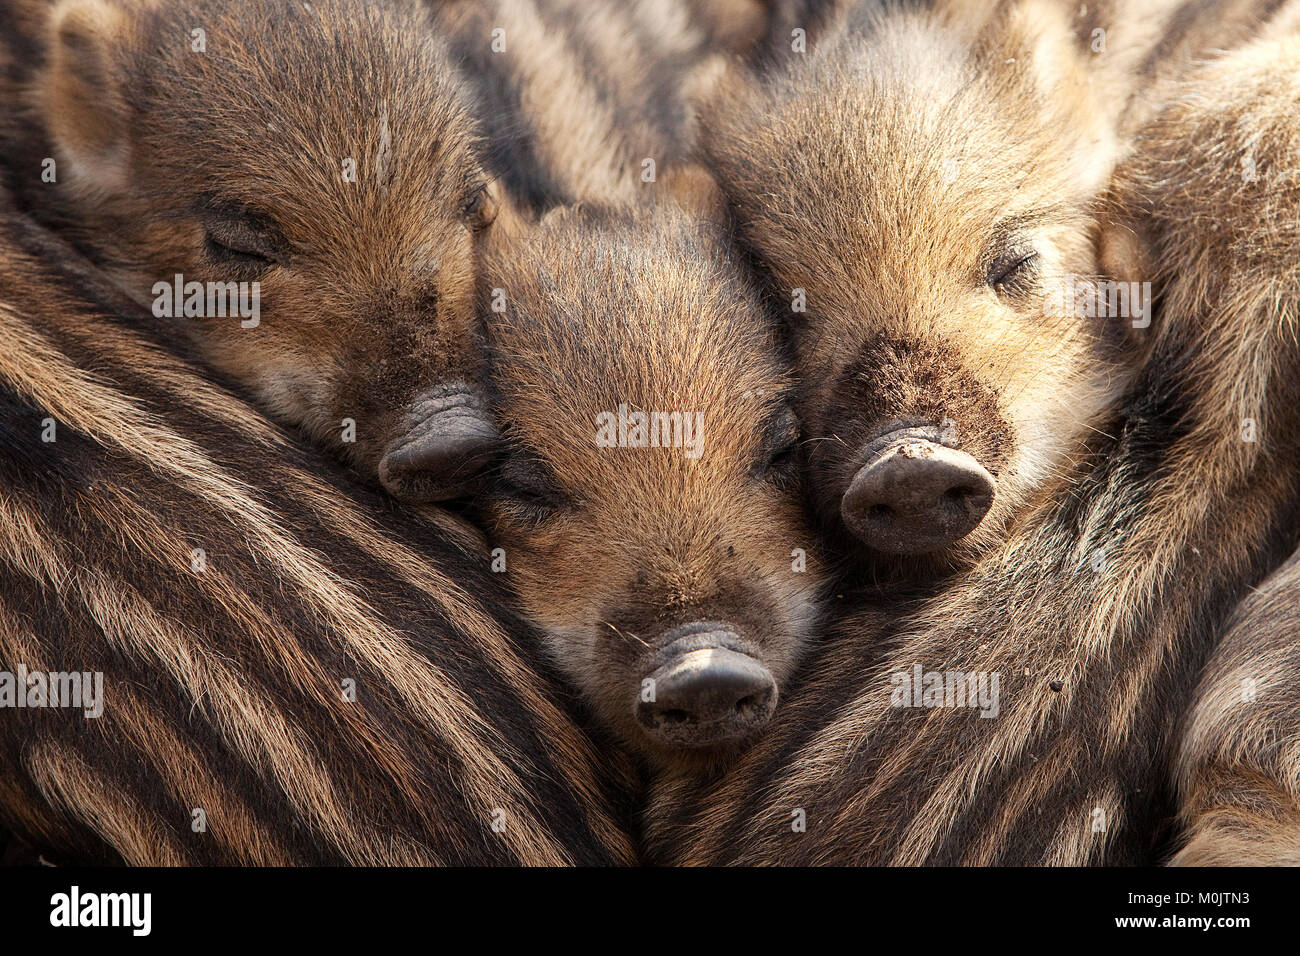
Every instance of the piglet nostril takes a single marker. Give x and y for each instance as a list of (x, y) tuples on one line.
[(708, 696), (447, 441), (915, 496), (462, 444)]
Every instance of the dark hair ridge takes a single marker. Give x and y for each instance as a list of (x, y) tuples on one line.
[(231, 585), (1101, 599), (1065, 501)]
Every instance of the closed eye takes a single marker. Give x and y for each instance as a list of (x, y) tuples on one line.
[(239, 240), (480, 208), (526, 492), (224, 255), (781, 442), (1009, 271)]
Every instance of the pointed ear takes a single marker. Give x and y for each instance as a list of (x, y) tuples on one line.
[(736, 26), (1125, 254), (718, 87), (693, 188), (508, 222), (555, 215), (80, 91)]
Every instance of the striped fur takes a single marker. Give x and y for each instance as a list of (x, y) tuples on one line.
[(734, 25), (1237, 765), (567, 112), (929, 143), (947, 142), (1141, 45), (576, 96), (1239, 752), (625, 293), (224, 678), (449, 114), (781, 28), (323, 152), (1105, 600)]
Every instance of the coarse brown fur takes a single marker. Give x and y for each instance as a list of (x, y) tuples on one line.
[(921, 187), (323, 151), (775, 29), (1131, 44), (567, 111), (616, 551), (1100, 608), (1237, 766), (235, 589), (1239, 752), (572, 98), (622, 299), (348, 156), (736, 26), (950, 157)]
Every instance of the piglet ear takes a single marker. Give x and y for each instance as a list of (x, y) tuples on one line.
[(693, 188), (718, 87), (509, 223), (81, 89), (736, 26), (1123, 248), (1125, 254)]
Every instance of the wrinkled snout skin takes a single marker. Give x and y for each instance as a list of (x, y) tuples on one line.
[(920, 447), (915, 495), (924, 231), (627, 599), (711, 690), (443, 445)]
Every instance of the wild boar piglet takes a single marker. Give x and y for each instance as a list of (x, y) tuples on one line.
[(922, 190), (647, 505), (300, 183)]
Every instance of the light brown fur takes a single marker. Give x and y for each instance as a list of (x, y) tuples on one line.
[(1237, 762), (890, 181), (172, 156), (223, 673), (1106, 598), (323, 151), (1238, 754), (612, 549), (574, 97)]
